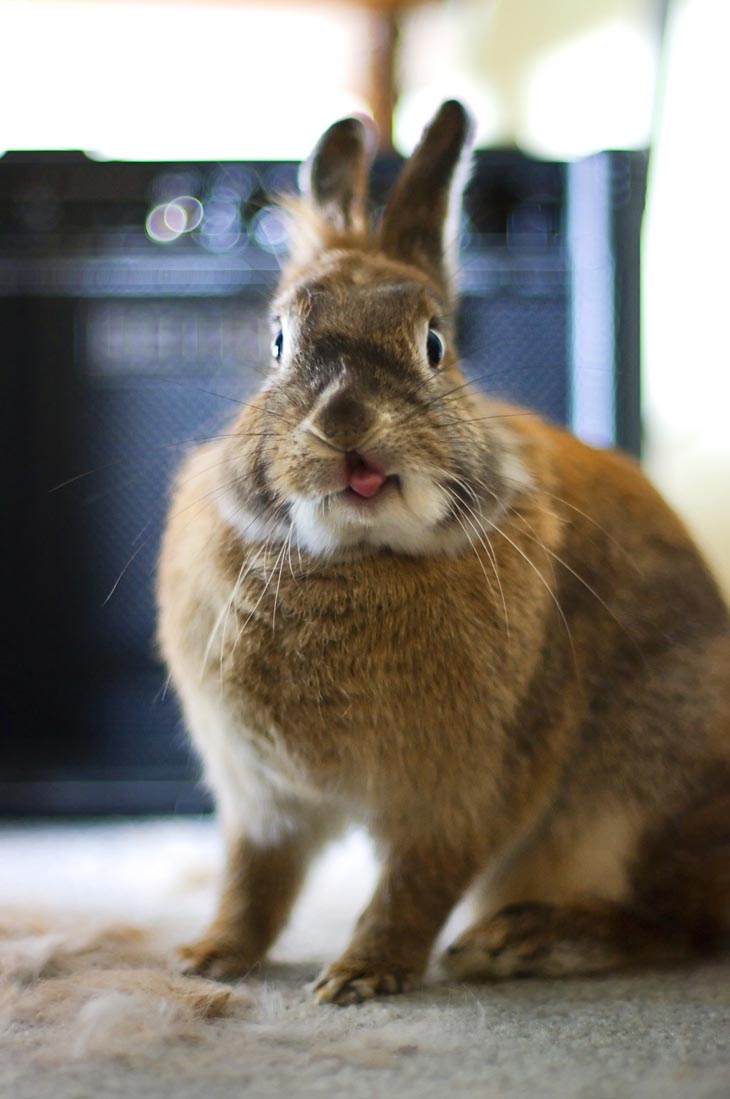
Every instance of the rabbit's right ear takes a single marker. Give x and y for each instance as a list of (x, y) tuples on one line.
[(420, 223), (333, 180)]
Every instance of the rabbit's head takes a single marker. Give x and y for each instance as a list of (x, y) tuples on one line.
[(365, 434)]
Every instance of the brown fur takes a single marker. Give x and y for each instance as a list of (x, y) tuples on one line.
[(528, 687)]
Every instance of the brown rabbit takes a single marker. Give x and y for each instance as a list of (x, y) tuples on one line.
[(386, 598)]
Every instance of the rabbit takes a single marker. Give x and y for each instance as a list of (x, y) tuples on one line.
[(388, 599)]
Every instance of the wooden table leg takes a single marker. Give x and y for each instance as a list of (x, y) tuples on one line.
[(382, 90)]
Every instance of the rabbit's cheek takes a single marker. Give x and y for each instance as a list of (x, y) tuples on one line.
[(250, 524), (424, 498)]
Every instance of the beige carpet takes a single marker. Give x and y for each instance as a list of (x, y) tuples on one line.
[(91, 1004)]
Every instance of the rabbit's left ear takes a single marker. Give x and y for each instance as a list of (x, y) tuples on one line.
[(421, 220), (333, 180)]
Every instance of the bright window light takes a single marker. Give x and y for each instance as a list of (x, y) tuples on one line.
[(686, 246), (177, 81), (592, 92)]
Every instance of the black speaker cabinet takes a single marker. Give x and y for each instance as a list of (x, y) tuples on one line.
[(133, 313)]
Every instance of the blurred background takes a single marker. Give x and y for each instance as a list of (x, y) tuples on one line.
[(141, 151)]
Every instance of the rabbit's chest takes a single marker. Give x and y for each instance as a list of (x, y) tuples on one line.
[(328, 664), (318, 645)]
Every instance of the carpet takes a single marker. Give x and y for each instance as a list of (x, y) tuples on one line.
[(91, 1004)]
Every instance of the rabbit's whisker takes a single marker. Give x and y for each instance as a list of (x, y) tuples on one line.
[(461, 503), (423, 408), (584, 514), (481, 419), (247, 564), (288, 552), (218, 491), (162, 446), (162, 693), (218, 620), (498, 530), (581, 579), (233, 400), (209, 469), (119, 578), (492, 558), (475, 552), (430, 379), (483, 539), (463, 485), (278, 514), (257, 604), (286, 543)]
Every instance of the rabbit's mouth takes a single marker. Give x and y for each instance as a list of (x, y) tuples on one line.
[(364, 485), (365, 479)]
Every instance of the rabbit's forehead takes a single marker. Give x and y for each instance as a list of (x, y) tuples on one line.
[(389, 297)]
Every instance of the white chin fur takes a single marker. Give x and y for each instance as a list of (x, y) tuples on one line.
[(405, 522)]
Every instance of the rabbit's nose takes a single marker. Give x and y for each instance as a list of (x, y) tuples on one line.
[(344, 420)]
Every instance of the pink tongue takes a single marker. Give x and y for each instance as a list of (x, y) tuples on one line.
[(365, 481)]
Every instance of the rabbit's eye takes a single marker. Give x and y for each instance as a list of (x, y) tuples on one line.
[(434, 347), (277, 346)]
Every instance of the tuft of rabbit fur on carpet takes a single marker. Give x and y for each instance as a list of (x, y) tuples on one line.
[(100, 991)]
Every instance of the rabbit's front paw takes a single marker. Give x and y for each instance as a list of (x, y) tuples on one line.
[(217, 958), (346, 982)]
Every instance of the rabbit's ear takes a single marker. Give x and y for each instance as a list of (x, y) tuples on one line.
[(333, 180), (421, 220)]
